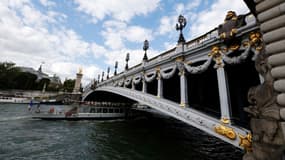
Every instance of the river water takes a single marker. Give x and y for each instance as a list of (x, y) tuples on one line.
[(144, 138)]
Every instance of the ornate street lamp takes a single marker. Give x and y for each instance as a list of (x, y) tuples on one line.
[(108, 71), (179, 27), (98, 77), (116, 66), (127, 59), (145, 48), (102, 77)]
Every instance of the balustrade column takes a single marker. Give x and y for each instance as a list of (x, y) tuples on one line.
[(133, 85), (223, 94), (183, 89), (159, 86), (144, 87)]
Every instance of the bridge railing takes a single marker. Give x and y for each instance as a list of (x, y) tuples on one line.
[(209, 38)]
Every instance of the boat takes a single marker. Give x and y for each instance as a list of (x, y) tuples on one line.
[(81, 113), (51, 101), (16, 99)]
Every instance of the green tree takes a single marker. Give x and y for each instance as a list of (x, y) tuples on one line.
[(8, 74), (68, 85)]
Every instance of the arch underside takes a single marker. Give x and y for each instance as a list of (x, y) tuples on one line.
[(190, 116)]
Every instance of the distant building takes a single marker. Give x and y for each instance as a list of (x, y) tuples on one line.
[(40, 75), (54, 81)]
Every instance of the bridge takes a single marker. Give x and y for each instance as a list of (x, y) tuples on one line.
[(214, 82)]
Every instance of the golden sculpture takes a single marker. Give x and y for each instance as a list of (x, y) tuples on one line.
[(225, 131), (245, 142), (80, 71), (216, 53)]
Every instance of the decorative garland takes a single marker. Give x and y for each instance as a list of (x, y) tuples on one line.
[(237, 59), (128, 81), (198, 69), (150, 77), (170, 74), (137, 79)]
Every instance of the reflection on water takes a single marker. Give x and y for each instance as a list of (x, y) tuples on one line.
[(145, 138)]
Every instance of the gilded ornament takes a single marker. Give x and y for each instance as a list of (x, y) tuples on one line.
[(189, 62), (233, 32), (216, 53), (225, 120), (80, 71), (223, 35), (179, 59), (234, 47), (225, 131), (157, 69), (183, 105), (255, 39), (245, 142)]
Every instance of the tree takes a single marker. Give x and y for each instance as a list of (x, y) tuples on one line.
[(68, 85), (8, 74), (12, 77)]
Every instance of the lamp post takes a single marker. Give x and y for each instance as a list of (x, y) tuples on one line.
[(145, 48), (116, 66), (108, 71), (98, 77), (180, 26), (102, 77), (127, 59)]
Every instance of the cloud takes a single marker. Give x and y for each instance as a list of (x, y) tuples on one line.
[(123, 10), (48, 3), (211, 17), (116, 33), (26, 40)]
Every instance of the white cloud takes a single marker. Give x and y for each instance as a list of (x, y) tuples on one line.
[(122, 10), (168, 22), (117, 32), (212, 17), (47, 3), (25, 40), (97, 50)]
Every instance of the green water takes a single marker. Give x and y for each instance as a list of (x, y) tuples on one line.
[(144, 138)]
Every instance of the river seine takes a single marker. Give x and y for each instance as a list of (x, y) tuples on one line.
[(144, 138)]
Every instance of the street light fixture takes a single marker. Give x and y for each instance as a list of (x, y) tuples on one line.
[(127, 59), (116, 66), (180, 26), (145, 48), (108, 71), (102, 79)]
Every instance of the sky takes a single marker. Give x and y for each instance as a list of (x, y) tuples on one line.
[(65, 35)]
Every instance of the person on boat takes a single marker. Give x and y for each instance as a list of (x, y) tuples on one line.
[(51, 110), (30, 106)]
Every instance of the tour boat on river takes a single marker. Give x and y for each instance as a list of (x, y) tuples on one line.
[(16, 99), (81, 113)]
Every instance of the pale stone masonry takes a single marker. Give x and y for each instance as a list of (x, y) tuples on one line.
[(267, 126)]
